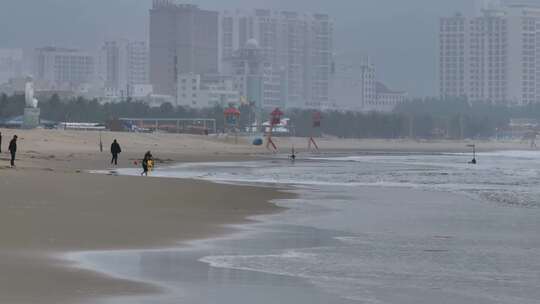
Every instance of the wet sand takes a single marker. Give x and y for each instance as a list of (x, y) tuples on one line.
[(45, 214), (50, 206)]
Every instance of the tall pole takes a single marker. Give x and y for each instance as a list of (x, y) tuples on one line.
[(176, 79), (461, 131), (411, 120)]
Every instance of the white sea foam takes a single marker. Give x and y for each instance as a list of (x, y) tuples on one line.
[(454, 249)]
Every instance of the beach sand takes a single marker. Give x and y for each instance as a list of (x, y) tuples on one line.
[(50, 205), (68, 150), (43, 214)]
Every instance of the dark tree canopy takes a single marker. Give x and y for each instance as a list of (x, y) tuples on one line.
[(421, 118)]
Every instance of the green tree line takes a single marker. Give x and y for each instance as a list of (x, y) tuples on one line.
[(421, 118)]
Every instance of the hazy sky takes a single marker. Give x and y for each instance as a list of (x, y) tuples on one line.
[(400, 35)]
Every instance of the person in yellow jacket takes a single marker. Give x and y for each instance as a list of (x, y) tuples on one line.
[(147, 163)]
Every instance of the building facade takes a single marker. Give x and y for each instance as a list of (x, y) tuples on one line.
[(125, 67), (494, 57), (183, 39), (356, 88), (198, 91), (63, 68), (297, 45), (255, 78), (11, 64)]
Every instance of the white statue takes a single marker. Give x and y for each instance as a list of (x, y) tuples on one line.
[(31, 101)]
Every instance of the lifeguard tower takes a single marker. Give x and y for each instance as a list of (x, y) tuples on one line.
[(232, 122), (275, 119)]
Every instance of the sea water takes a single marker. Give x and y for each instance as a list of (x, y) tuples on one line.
[(374, 228)]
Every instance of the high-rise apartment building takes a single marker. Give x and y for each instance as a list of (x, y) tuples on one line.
[(254, 76), (183, 39), (62, 67), (125, 66), (494, 57), (300, 45)]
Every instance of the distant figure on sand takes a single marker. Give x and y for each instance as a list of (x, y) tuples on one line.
[(0, 142), (147, 163), (293, 155), (13, 150), (115, 150)]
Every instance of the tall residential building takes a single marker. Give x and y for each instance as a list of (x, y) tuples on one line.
[(494, 57), (254, 76), (298, 44), (125, 66), (63, 68), (183, 40), (11, 64)]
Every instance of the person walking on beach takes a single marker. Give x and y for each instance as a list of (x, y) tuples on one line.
[(146, 163), (0, 142), (115, 150), (292, 157), (13, 150)]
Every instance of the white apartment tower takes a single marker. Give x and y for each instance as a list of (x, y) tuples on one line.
[(125, 66), (494, 57), (255, 78), (300, 45)]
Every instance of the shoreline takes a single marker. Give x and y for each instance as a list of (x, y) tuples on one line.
[(45, 233), (69, 210), (51, 207)]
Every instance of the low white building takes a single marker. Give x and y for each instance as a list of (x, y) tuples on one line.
[(355, 88), (203, 92), (137, 91), (386, 100)]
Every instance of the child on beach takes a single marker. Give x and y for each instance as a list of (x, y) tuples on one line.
[(146, 163)]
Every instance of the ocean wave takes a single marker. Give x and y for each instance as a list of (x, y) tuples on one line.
[(508, 177)]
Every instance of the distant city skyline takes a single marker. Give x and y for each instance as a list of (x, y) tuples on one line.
[(400, 37)]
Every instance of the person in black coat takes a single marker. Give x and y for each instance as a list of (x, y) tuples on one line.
[(0, 142), (115, 150), (146, 159), (13, 150)]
